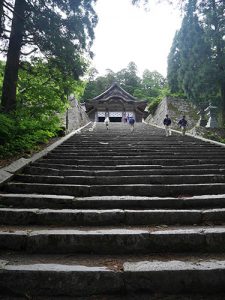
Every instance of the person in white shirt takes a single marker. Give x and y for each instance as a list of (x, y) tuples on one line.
[(107, 123)]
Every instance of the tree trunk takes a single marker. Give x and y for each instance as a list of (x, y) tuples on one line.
[(13, 57), (1, 16), (223, 103)]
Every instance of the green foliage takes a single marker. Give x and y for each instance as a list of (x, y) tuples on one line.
[(94, 87), (174, 62), (148, 87), (60, 30), (22, 134), (128, 78), (152, 84), (6, 128), (154, 105), (188, 58), (214, 134), (196, 63), (177, 95), (42, 97)]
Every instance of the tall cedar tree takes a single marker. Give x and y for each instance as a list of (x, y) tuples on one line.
[(62, 30), (174, 65), (1, 17), (214, 24), (189, 59)]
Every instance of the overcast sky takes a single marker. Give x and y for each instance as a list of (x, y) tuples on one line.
[(126, 33)]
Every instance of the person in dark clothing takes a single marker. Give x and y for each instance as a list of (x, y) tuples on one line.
[(131, 122), (167, 123), (183, 124)]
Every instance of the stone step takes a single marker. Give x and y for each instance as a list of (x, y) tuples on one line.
[(140, 161), (198, 239), (151, 146), (137, 147), (84, 212), (41, 164), (137, 156), (130, 154), (151, 171), (129, 179), (110, 217), (110, 202), (101, 137), (113, 279), (58, 280), (152, 190)]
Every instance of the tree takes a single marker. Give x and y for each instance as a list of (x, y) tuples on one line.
[(148, 87), (13, 56), (40, 102), (212, 14), (95, 86), (173, 66), (1, 17), (194, 53), (62, 30), (196, 63), (128, 78)]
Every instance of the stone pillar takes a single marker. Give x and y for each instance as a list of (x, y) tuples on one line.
[(106, 111), (123, 116), (211, 112), (96, 116)]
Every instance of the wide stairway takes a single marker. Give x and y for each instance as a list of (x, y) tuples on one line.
[(115, 214)]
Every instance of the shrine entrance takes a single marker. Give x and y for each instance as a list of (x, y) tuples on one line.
[(114, 116), (111, 119), (101, 119), (117, 104), (115, 119)]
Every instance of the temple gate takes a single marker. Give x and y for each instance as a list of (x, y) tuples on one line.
[(117, 104)]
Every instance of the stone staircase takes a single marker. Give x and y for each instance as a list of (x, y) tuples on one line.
[(116, 215)]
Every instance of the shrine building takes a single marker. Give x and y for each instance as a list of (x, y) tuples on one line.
[(117, 104)]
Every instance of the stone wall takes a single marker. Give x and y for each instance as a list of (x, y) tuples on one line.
[(175, 108), (75, 115), (159, 114)]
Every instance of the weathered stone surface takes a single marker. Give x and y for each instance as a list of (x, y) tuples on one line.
[(14, 240), (57, 280), (179, 276), (4, 176), (82, 217), (116, 241), (110, 241), (145, 217), (155, 199), (64, 217), (214, 215)]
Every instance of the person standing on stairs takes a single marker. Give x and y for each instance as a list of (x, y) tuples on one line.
[(107, 123), (131, 122), (167, 123), (183, 124)]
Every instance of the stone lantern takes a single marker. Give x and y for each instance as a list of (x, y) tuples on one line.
[(212, 112)]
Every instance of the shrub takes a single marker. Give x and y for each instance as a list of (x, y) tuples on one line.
[(153, 105)]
